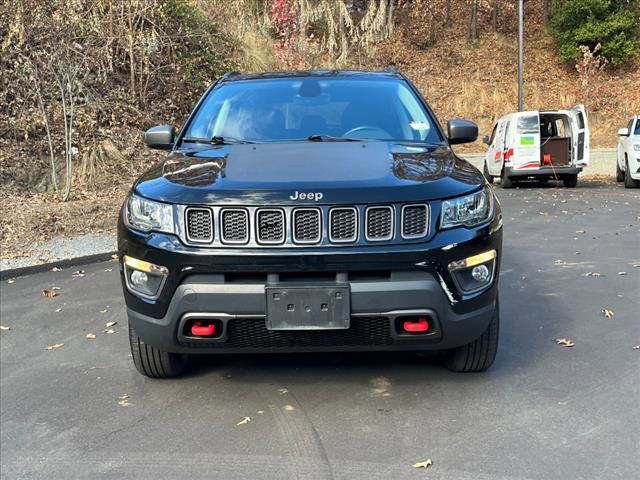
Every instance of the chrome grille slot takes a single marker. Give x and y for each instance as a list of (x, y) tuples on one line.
[(343, 224), (235, 225), (415, 221), (379, 225), (199, 225), (270, 226), (307, 225)]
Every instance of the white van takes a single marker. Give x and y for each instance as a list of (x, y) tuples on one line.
[(538, 144)]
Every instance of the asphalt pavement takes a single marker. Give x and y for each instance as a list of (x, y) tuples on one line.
[(544, 411)]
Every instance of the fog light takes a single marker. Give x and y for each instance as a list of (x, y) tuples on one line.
[(139, 279), (480, 273), (144, 279)]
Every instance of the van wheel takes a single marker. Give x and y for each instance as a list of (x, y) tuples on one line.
[(619, 172), (570, 181), (478, 355), (628, 181), (505, 181), (487, 175), (152, 362)]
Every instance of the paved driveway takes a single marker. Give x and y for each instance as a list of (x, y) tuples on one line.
[(542, 412)]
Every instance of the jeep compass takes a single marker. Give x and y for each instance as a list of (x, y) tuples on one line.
[(306, 212)]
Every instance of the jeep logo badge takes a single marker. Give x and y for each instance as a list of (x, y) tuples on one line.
[(315, 196)]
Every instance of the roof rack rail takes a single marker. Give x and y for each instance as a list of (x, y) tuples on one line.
[(227, 75), (391, 69)]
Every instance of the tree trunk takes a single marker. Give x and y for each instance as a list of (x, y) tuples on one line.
[(495, 13), (545, 11), (447, 13), (472, 33)]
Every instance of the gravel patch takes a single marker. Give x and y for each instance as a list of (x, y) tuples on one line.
[(62, 248)]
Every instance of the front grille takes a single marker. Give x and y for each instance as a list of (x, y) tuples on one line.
[(343, 224), (235, 225), (379, 223), (199, 225), (270, 226), (415, 221), (306, 225), (252, 333)]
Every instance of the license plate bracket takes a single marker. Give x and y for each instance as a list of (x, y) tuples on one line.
[(303, 307)]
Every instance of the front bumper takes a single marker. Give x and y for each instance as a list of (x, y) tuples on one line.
[(385, 282)]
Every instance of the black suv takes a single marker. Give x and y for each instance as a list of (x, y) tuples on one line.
[(311, 211)]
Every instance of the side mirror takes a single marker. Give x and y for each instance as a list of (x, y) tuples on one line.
[(486, 140), (461, 131), (623, 132), (160, 137)]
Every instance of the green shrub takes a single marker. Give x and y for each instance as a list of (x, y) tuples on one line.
[(611, 23)]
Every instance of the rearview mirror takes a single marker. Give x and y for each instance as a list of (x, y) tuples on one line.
[(623, 132), (160, 137), (486, 140), (461, 131)]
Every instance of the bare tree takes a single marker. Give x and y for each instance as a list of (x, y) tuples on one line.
[(472, 32)]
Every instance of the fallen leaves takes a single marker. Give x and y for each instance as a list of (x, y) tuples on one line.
[(49, 293), (244, 421), (592, 274), (10, 281), (607, 313), (55, 346), (123, 400), (78, 273), (90, 336), (110, 324), (56, 269), (622, 273), (4, 328), (108, 330), (424, 464), (564, 342), (637, 347)]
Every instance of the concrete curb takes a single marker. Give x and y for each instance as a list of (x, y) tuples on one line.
[(66, 263)]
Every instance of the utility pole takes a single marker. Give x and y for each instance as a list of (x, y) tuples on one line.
[(520, 53)]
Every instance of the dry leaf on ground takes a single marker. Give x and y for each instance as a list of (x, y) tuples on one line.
[(565, 342), (637, 347), (580, 231), (425, 464), (55, 346), (104, 311), (91, 336), (11, 280), (622, 273), (592, 274), (78, 273), (109, 330), (56, 269), (110, 324), (49, 293), (244, 421), (607, 313), (4, 328)]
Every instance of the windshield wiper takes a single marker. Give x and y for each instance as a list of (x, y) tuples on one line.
[(216, 140), (329, 138)]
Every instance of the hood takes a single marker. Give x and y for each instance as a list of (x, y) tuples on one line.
[(308, 172)]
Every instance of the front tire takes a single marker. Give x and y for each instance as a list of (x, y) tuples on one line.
[(487, 175), (570, 181), (505, 180), (478, 355), (619, 172), (152, 362), (628, 181)]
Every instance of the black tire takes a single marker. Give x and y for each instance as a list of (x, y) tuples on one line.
[(505, 181), (628, 181), (570, 181), (478, 355), (619, 173), (487, 175), (153, 362)]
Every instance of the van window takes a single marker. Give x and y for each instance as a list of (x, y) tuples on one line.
[(637, 132), (580, 121), (528, 124)]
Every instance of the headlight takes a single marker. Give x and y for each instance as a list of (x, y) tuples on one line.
[(469, 210), (636, 147), (146, 215)]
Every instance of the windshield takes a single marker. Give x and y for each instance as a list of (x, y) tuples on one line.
[(297, 108)]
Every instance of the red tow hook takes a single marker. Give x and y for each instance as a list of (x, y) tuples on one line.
[(200, 330), (420, 325)]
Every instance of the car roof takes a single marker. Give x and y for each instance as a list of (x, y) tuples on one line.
[(236, 76)]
